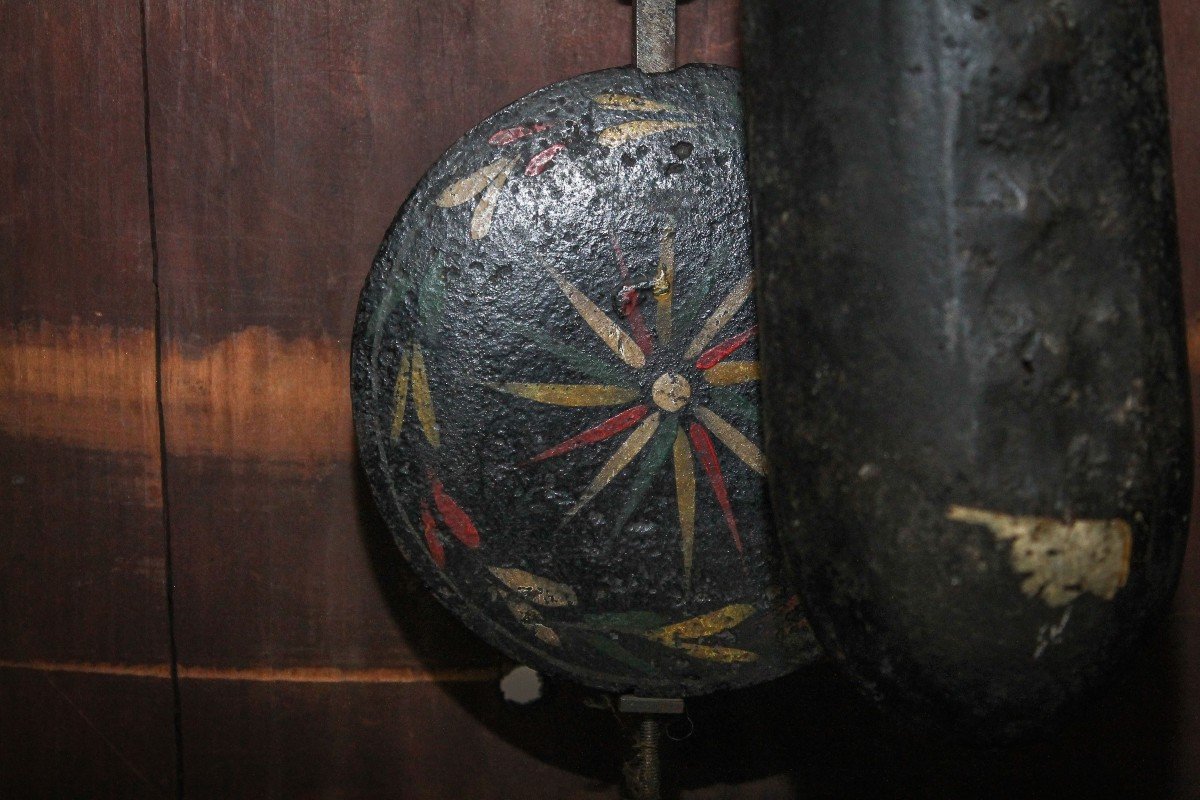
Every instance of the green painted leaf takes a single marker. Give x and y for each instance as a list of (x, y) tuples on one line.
[(576, 359), (626, 621), (652, 461), (614, 651), (431, 297), (385, 307), (733, 402), (693, 302)]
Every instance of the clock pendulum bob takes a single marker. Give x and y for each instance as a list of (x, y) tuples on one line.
[(555, 377)]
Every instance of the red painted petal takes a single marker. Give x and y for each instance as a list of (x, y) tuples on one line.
[(628, 301), (539, 163), (510, 135), (607, 429), (452, 514), (707, 456), (429, 524), (718, 353), (637, 325)]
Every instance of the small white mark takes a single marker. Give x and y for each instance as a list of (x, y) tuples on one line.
[(521, 686), (1051, 634)]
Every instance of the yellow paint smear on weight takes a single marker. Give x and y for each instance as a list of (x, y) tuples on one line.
[(253, 396), (260, 674), (1061, 560)]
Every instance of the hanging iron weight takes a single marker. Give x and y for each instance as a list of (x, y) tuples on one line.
[(555, 385), (975, 385)]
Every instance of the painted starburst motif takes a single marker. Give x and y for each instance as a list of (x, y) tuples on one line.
[(667, 421)]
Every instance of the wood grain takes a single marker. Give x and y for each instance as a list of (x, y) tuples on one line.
[(82, 559)]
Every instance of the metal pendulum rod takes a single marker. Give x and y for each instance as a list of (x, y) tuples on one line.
[(654, 35), (642, 773)]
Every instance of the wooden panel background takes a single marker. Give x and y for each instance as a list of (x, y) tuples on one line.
[(190, 195)]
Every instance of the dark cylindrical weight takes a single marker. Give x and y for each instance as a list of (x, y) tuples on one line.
[(974, 374)]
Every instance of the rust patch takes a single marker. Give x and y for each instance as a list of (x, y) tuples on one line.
[(254, 396), (1060, 560)]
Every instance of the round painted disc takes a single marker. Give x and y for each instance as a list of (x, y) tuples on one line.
[(555, 389)]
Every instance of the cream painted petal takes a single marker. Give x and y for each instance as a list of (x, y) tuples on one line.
[(609, 332), (618, 461), (734, 439), (720, 318)]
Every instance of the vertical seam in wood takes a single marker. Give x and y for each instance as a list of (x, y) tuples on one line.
[(169, 588)]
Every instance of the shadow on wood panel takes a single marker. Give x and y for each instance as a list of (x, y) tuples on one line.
[(816, 731)]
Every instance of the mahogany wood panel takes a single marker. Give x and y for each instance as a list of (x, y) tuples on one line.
[(82, 546)]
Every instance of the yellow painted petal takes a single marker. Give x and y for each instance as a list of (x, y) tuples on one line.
[(401, 395), (664, 282), (461, 191), (725, 655), (609, 332), (727, 373), (685, 497), (734, 439), (525, 613), (573, 395), (637, 129), (546, 635), (535, 588), (705, 625), (629, 102), (618, 460), (485, 209), (720, 318), (422, 399)]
